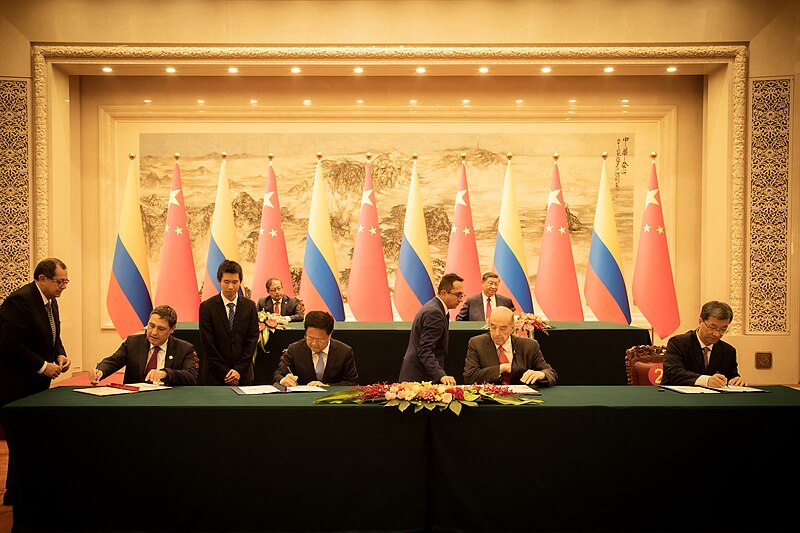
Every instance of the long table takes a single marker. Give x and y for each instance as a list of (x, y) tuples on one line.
[(583, 353), (589, 458)]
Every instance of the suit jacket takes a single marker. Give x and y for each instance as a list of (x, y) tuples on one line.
[(684, 363), (180, 361), (340, 368), (427, 344), (475, 309), (26, 342), (289, 307), (225, 348), (483, 365)]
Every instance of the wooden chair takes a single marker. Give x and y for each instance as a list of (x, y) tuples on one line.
[(644, 364)]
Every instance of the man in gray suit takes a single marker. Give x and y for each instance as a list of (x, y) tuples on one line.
[(475, 307), (503, 358), (154, 356), (427, 345)]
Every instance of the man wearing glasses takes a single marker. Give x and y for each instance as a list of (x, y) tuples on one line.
[(31, 353), (480, 306), (701, 357), (318, 359), (427, 345)]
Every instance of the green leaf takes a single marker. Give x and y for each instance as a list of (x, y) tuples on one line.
[(418, 407), (455, 407), (403, 405), (430, 406), (470, 404), (392, 403)]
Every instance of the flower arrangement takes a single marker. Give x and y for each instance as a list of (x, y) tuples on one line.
[(427, 395), (527, 323), (268, 323)]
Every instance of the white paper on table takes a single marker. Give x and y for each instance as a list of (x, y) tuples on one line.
[(306, 388), (689, 389), (523, 389), (255, 389), (145, 387), (737, 388), (104, 391)]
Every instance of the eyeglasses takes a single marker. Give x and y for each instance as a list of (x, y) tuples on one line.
[(63, 282), (458, 295), (714, 329)]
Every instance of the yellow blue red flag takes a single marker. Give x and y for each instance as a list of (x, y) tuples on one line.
[(222, 244)]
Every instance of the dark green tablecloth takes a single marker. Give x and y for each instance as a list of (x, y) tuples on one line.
[(583, 353), (591, 458)]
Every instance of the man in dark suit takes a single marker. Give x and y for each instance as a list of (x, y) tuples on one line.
[(701, 357), (228, 331), (476, 307), (153, 356), (427, 344), (31, 353), (318, 359), (502, 358), (280, 304)]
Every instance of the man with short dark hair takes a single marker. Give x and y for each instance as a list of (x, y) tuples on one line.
[(427, 344), (476, 307), (280, 304), (228, 331), (152, 356), (318, 359), (31, 353), (701, 357)]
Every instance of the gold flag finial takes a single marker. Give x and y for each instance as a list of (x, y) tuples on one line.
[(369, 156), (414, 156), (270, 156), (604, 155), (224, 155), (509, 155), (177, 155), (463, 156), (319, 155), (555, 156), (653, 155), (131, 156)]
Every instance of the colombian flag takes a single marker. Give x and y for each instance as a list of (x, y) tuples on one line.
[(319, 286), (509, 254), (604, 288), (222, 244), (128, 300), (414, 284)]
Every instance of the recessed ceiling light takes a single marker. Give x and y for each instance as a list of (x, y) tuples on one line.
[(465, 101), (170, 70), (672, 69), (519, 101), (233, 70), (483, 70), (412, 102), (420, 70), (624, 101), (572, 101), (358, 70), (608, 69), (108, 69), (546, 69), (359, 101), (306, 102), (295, 70), (570, 112), (253, 101), (201, 101), (148, 101)]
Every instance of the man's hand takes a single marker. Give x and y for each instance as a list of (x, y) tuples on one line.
[(505, 368), (448, 380), (64, 362), (156, 375), (532, 376), (317, 383), (738, 381), (232, 377), (289, 380), (52, 370), (95, 375), (717, 381)]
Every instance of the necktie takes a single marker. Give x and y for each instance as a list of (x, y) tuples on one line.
[(319, 368), (277, 307), (501, 354), (49, 307), (231, 309), (488, 308), (151, 364), (706, 352)]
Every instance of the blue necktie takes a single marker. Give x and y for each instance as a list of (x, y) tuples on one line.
[(319, 368), (231, 309)]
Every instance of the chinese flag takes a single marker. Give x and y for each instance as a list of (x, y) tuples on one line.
[(177, 280), (462, 252), (556, 282), (368, 288), (272, 261), (653, 286)]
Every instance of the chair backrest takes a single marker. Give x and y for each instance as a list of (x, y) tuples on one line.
[(644, 364)]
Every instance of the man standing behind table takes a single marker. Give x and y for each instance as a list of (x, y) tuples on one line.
[(479, 306), (31, 353), (505, 359), (318, 359), (153, 356), (701, 357), (228, 331), (427, 345), (280, 304)]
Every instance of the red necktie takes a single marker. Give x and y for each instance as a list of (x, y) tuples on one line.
[(488, 308), (501, 354), (277, 307), (151, 364)]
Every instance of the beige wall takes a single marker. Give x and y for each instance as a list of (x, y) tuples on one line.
[(769, 28)]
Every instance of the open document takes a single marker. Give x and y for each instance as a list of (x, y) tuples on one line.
[(269, 389), (112, 389)]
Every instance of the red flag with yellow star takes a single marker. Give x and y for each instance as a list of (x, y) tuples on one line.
[(556, 282), (177, 279), (368, 287), (272, 260), (653, 285)]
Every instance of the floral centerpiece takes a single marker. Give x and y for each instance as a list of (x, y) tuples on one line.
[(526, 324), (427, 395), (268, 323)]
